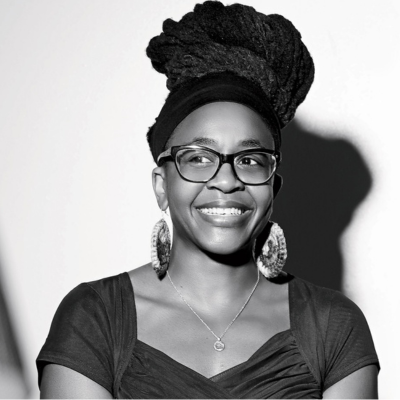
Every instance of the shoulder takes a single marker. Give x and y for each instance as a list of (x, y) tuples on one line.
[(111, 296), (95, 300), (326, 313), (326, 302), (148, 288), (142, 275), (332, 331), (93, 324), (108, 287), (336, 320), (101, 290)]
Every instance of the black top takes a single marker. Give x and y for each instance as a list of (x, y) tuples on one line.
[(94, 333)]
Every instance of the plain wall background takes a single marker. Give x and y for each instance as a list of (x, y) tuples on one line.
[(77, 95)]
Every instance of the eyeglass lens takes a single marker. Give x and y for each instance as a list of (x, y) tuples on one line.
[(200, 165)]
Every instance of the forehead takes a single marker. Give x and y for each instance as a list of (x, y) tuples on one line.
[(224, 126)]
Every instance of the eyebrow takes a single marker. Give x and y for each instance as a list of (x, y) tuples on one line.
[(204, 141), (249, 143)]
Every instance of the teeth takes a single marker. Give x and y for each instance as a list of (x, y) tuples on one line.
[(221, 211)]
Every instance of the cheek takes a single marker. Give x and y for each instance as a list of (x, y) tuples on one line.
[(180, 193), (264, 198)]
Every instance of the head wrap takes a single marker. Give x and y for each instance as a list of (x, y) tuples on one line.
[(209, 89), (218, 40)]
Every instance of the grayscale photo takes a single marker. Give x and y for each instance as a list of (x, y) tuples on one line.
[(199, 199)]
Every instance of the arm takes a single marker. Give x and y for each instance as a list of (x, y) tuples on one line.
[(59, 382), (361, 384)]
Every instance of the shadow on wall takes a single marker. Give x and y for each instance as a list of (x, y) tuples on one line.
[(13, 384), (324, 182)]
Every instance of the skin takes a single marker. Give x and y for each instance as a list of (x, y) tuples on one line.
[(212, 266)]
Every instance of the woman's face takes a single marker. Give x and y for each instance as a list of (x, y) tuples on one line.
[(227, 128)]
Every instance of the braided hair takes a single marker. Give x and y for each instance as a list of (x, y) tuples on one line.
[(265, 49)]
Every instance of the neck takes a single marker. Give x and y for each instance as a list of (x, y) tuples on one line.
[(210, 279)]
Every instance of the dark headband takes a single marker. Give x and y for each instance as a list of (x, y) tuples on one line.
[(210, 89)]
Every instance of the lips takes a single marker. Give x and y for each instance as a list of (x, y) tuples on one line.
[(223, 209), (232, 211)]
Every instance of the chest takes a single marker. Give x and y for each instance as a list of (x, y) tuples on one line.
[(178, 333), (277, 370)]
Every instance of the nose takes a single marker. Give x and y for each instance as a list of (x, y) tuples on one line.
[(225, 180)]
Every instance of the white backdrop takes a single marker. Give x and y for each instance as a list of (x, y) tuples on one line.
[(77, 95)]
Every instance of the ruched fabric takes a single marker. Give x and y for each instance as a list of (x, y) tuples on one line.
[(155, 375), (94, 333)]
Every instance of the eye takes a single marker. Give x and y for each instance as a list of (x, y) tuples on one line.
[(247, 161), (250, 161), (199, 159), (196, 158)]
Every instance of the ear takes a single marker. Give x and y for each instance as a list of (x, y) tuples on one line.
[(278, 182), (159, 187)]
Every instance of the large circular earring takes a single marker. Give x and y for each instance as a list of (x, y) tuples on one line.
[(161, 246), (273, 253)]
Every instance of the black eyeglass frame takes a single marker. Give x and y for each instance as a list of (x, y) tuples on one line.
[(223, 158)]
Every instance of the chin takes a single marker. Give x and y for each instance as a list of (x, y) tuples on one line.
[(230, 256), (225, 244)]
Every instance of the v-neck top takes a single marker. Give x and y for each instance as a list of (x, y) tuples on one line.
[(94, 332)]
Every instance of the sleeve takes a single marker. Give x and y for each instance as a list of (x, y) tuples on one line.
[(348, 341), (80, 337)]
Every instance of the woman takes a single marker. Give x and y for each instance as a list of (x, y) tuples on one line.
[(214, 315)]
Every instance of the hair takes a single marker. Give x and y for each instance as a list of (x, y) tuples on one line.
[(265, 49)]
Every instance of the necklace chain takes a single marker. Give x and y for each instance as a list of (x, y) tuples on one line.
[(218, 345)]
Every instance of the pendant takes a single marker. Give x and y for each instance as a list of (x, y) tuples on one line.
[(218, 345)]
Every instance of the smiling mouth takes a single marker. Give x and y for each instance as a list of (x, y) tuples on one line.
[(230, 211)]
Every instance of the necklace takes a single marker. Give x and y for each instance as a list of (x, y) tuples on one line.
[(219, 345)]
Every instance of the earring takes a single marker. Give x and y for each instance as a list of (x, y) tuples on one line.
[(273, 253), (160, 246)]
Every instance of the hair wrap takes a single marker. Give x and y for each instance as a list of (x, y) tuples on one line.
[(266, 50), (209, 89)]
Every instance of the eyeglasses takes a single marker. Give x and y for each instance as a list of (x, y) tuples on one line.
[(200, 164)]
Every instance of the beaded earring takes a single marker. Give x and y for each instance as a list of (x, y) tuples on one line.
[(161, 246), (273, 253)]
